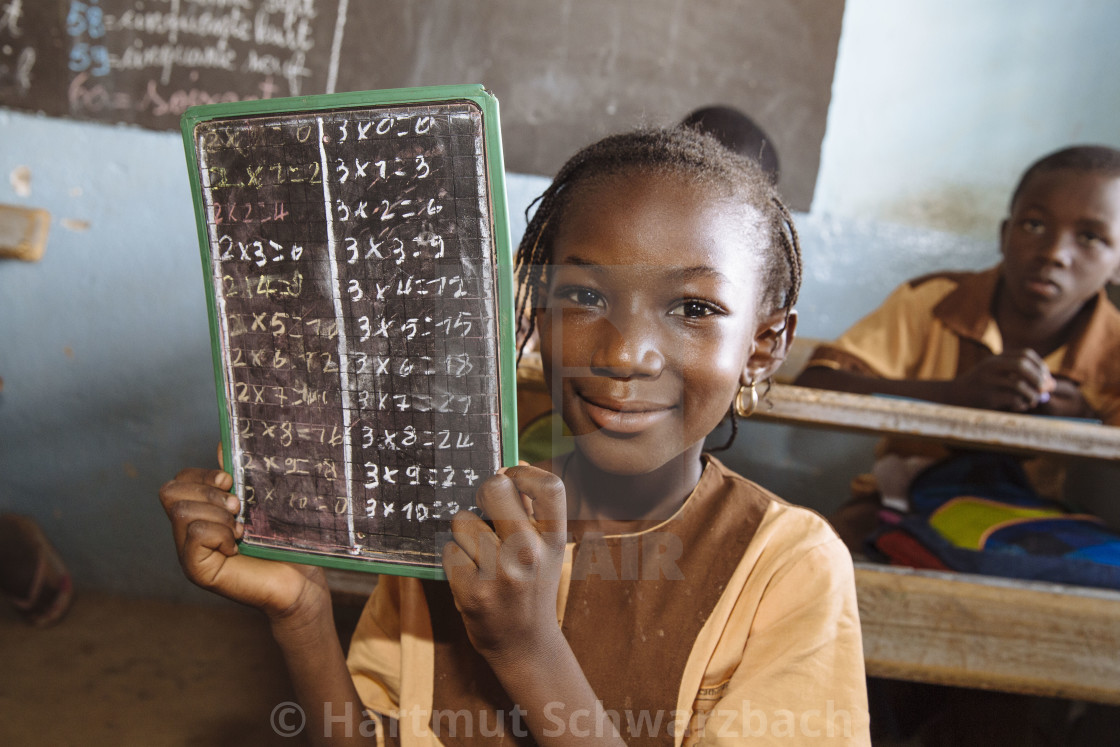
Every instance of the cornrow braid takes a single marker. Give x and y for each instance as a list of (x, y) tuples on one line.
[(683, 151)]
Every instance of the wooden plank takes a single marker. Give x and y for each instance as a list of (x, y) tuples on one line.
[(796, 358), (967, 426), (23, 232), (990, 633)]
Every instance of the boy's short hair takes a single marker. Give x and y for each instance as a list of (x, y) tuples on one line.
[(1090, 158)]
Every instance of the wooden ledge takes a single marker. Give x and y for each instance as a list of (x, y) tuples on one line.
[(23, 232), (991, 633), (963, 426)]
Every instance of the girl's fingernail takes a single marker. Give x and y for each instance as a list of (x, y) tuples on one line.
[(1044, 398)]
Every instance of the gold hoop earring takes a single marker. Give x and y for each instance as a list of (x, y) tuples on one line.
[(745, 407)]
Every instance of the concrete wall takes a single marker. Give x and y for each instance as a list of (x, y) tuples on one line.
[(938, 105), (104, 349)]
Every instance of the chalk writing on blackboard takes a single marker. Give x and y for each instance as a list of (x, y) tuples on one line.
[(147, 61), (356, 281)]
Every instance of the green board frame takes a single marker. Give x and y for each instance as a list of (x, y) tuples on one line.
[(503, 276)]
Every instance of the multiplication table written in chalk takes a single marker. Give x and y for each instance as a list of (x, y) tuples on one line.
[(356, 254)]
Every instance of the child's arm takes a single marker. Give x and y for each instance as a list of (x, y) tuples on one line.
[(505, 583), (839, 380), (294, 597)]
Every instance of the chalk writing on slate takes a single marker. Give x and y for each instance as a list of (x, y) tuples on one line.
[(355, 290)]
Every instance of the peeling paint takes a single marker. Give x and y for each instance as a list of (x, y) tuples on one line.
[(75, 224), (968, 210), (20, 179)]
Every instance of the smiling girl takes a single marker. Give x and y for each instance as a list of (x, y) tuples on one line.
[(634, 590)]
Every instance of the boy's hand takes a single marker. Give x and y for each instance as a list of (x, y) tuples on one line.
[(1014, 381), (505, 579), (204, 523), (1066, 401)]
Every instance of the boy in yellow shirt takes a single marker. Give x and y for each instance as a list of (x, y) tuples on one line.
[(1034, 334)]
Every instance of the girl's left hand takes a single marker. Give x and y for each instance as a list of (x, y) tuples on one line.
[(505, 580)]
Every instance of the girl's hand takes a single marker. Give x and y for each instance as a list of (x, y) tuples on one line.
[(204, 522), (505, 579)]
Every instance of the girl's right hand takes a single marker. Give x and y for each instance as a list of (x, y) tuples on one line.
[(204, 522)]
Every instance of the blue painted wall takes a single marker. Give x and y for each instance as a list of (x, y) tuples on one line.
[(937, 105), (104, 349)]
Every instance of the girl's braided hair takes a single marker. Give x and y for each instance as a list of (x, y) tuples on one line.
[(681, 151)]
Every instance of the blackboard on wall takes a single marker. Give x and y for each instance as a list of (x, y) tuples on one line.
[(567, 72), (358, 274), (146, 61)]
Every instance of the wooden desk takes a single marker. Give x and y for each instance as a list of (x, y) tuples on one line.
[(958, 629), (962, 426), (991, 633)]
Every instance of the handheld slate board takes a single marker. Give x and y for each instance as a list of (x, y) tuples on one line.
[(359, 282)]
